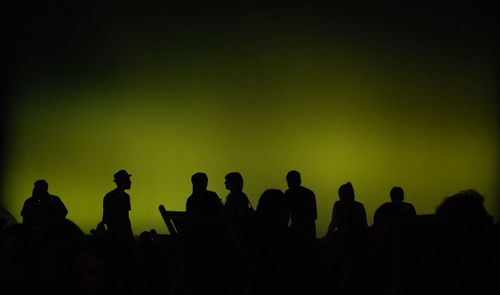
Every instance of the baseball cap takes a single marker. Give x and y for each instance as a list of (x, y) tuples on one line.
[(122, 174)]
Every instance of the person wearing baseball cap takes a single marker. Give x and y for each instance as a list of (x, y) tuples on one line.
[(116, 207)]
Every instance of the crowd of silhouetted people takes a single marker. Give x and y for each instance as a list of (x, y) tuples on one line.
[(227, 246)]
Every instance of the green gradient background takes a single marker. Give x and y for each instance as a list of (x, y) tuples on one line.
[(379, 96)]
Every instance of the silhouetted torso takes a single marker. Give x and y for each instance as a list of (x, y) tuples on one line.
[(237, 205), (116, 207), (302, 205), (6, 219), (391, 212), (204, 203), (272, 207), (349, 216), (39, 210)]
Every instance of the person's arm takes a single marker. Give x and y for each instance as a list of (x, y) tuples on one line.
[(333, 223), (105, 213), (376, 216), (413, 211), (363, 216), (315, 210), (61, 209)]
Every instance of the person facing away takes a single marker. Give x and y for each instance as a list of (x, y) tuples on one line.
[(116, 207), (42, 207), (302, 207), (272, 208), (394, 211), (237, 205), (203, 202), (348, 216)]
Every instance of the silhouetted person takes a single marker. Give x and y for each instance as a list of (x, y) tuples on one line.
[(464, 211), (42, 207), (347, 231), (396, 210), (61, 242), (116, 207), (272, 216), (272, 208), (302, 205), (207, 241), (348, 216), (237, 205), (203, 202), (463, 254), (238, 210)]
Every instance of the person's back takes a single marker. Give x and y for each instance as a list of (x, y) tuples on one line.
[(272, 208), (348, 216), (302, 205), (42, 207), (395, 211), (391, 212), (302, 202), (206, 203), (203, 202)]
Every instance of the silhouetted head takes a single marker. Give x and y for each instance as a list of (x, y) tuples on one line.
[(234, 182), (346, 192), (272, 204), (293, 179), (122, 179), (41, 188), (199, 181), (397, 194), (463, 209)]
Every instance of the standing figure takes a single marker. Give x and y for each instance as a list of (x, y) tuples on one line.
[(237, 205), (116, 207), (42, 207), (302, 207)]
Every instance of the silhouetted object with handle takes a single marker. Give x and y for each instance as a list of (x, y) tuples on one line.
[(42, 207), (302, 205), (116, 207)]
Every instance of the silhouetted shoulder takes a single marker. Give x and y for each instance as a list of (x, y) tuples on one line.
[(117, 198), (212, 195)]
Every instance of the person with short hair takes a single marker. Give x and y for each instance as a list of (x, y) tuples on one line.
[(348, 215), (395, 211), (237, 205), (116, 207), (42, 207), (202, 202), (302, 207)]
